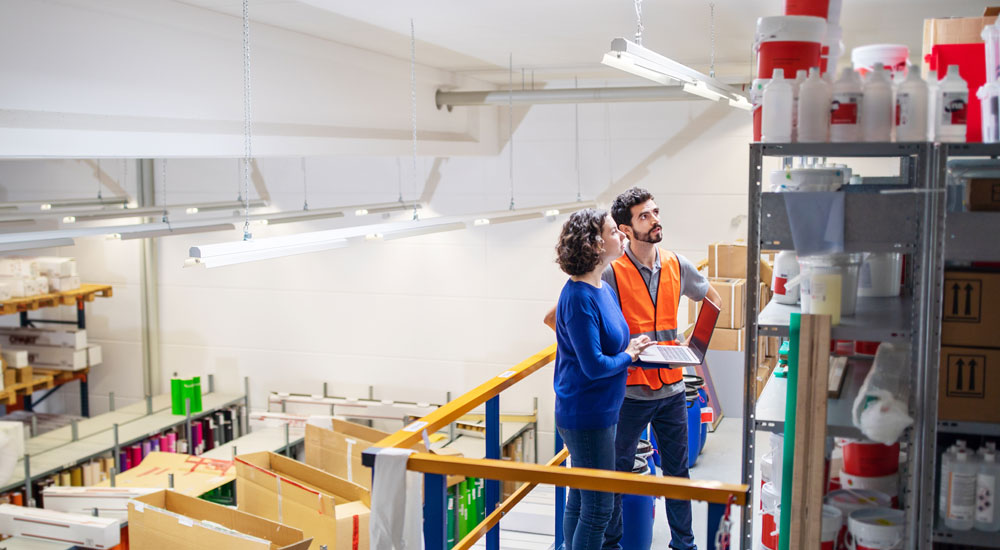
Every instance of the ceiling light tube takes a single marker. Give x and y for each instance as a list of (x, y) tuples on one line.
[(120, 202), (702, 90), (31, 245), (417, 231), (169, 230), (157, 210), (635, 59)]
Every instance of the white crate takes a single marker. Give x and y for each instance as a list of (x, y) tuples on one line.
[(64, 283), (76, 529), (16, 358), (111, 502), (65, 337), (55, 266), (55, 358)]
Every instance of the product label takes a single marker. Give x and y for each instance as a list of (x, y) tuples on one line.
[(779, 285), (904, 109), (954, 106), (986, 491), (961, 496), (844, 109)]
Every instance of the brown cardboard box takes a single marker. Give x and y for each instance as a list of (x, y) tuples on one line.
[(734, 302), (166, 519), (971, 314), (763, 296), (766, 270), (727, 339), (9, 377), (969, 386), (331, 510), (983, 194), (727, 260), (773, 345), (338, 450), (954, 30), (193, 475)]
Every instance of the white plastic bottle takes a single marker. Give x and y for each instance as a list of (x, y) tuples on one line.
[(776, 126), (911, 109), (951, 107), (814, 109), (988, 447), (786, 266), (800, 77), (845, 107), (876, 106), (961, 510), (987, 483)]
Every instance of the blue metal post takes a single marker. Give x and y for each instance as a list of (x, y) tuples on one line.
[(493, 485), (435, 508), (715, 513), (560, 499)]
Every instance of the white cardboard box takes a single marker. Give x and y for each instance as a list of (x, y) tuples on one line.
[(77, 529), (64, 283), (16, 358), (5, 292), (55, 358), (16, 433), (94, 356), (32, 287), (14, 284), (75, 338), (111, 502), (11, 267), (55, 266)]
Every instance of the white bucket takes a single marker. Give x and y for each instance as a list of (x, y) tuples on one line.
[(875, 529), (833, 48), (833, 521), (827, 9), (880, 274), (888, 485), (892, 56), (789, 42), (857, 499), (833, 284), (770, 499)]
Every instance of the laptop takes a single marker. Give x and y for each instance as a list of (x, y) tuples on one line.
[(692, 353)]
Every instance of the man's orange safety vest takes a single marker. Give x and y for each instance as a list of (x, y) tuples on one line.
[(658, 321)]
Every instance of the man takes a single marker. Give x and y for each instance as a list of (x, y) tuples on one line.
[(649, 282)]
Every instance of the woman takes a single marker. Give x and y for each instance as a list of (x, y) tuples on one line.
[(592, 360)]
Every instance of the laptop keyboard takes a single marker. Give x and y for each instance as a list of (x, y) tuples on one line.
[(676, 353)]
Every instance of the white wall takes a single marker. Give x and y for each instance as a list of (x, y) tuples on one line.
[(414, 318)]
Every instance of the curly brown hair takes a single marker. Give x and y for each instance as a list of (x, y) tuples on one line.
[(580, 242)]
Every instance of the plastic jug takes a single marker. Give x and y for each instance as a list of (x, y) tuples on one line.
[(845, 107), (786, 267), (961, 506), (814, 109), (800, 77), (911, 109), (876, 106), (951, 107), (987, 483), (776, 126)]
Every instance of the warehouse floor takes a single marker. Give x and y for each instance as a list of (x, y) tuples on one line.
[(529, 526)]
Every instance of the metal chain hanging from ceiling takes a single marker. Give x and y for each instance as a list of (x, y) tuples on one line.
[(638, 22), (510, 124), (413, 109), (246, 120), (576, 129), (100, 178), (711, 24), (305, 187)]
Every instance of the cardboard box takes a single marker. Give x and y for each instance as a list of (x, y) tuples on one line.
[(193, 475), (763, 296), (94, 356), (727, 260), (17, 435), (15, 285), (338, 450), (166, 519), (11, 267), (766, 270), (74, 338), (982, 194), (55, 266), (74, 529), (331, 510), (14, 357), (55, 358), (971, 314), (954, 30), (110, 502), (727, 339), (734, 302), (9, 377), (969, 386), (64, 284)]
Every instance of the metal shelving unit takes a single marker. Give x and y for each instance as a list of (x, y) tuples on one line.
[(904, 214)]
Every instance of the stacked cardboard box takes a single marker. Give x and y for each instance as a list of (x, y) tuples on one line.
[(51, 348), (969, 386), (23, 277)]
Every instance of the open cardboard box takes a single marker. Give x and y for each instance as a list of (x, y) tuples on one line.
[(331, 510), (336, 449), (166, 519)]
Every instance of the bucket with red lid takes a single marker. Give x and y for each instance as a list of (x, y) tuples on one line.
[(870, 459)]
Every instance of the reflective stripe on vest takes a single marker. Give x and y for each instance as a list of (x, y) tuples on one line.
[(658, 321)]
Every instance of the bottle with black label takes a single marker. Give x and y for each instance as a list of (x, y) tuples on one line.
[(952, 107)]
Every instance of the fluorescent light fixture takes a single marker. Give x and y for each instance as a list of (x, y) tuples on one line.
[(223, 205), (552, 212), (45, 206), (426, 230), (275, 218), (69, 219), (361, 212), (169, 230), (374, 237), (158, 210), (223, 254), (192, 210), (741, 103), (481, 221), (31, 245), (635, 59)]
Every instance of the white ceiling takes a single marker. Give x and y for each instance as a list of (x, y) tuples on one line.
[(566, 38)]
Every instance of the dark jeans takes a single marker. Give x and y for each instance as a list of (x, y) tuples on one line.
[(588, 512), (670, 426)]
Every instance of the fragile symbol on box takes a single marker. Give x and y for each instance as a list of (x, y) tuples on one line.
[(966, 376), (962, 300)]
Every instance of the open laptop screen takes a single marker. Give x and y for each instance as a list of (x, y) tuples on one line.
[(704, 327)]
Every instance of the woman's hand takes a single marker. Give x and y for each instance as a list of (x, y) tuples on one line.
[(636, 345)]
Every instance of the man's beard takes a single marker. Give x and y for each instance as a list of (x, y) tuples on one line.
[(647, 238)]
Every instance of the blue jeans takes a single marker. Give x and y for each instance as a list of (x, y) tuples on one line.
[(588, 512), (670, 426)]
